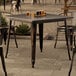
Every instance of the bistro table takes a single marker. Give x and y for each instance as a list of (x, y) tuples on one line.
[(40, 21)]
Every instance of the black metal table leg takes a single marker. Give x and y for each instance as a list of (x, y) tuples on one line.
[(33, 42), (66, 36), (41, 35)]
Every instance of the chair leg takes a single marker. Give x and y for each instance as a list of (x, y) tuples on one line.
[(3, 62), (74, 41), (13, 29), (74, 51), (56, 39), (15, 37), (71, 38), (5, 36), (8, 40)]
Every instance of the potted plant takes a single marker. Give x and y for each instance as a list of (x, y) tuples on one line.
[(23, 29)]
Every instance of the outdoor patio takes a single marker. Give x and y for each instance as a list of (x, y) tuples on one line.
[(51, 62)]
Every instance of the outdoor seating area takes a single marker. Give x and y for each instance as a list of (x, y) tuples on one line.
[(30, 41)]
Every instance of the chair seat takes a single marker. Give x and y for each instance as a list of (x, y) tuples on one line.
[(62, 28), (70, 29)]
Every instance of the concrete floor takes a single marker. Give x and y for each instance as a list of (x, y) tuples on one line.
[(51, 62)]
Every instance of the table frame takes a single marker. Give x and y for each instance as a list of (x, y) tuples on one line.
[(40, 23)]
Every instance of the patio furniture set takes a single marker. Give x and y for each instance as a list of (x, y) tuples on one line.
[(40, 21)]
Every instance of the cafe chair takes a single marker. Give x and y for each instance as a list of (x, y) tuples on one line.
[(73, 55), (11, 29), (1, 50), (61, 29), (5, 36)]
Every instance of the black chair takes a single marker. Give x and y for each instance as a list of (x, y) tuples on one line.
[(74, 47), (11, 28), (71, 65), (5, 32), (61, 28), (73, 55), (1, 49)]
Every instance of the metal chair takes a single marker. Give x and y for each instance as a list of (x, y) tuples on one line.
[(61, 28), (5, 36), (71, 65), (1, 50), (74, 48), (12, 28), (73, 55)]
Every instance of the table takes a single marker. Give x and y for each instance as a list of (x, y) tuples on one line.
[(40, 21)]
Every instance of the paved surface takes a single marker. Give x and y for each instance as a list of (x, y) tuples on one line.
[(51, 62)]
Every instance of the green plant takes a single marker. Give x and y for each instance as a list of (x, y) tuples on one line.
[(3, 21), (22, 29)]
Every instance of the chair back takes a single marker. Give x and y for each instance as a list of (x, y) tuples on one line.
[(69, 21), (74, 18)]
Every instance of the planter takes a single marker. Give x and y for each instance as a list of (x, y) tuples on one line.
[(23, 29)]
